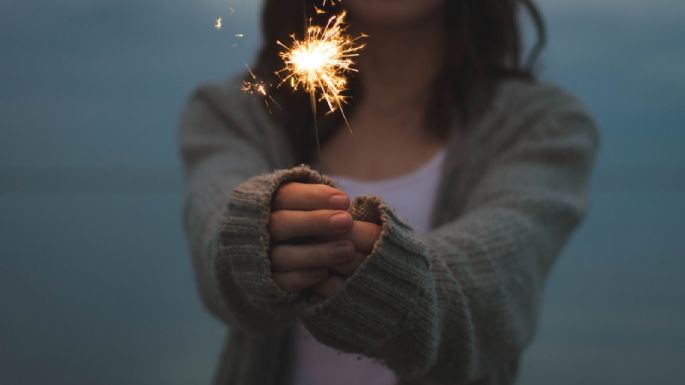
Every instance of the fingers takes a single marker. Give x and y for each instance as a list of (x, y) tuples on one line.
[(348, 268), (285, 258), (307, 196), (290, 224), (363, 235), (329, 287), (293, 281)]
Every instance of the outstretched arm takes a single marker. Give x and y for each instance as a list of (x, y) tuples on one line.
[(223, 149)]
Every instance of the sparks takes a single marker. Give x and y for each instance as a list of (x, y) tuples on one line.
[(255, 86), (319, 64), (217, 24)]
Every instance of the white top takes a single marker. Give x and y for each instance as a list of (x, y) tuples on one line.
[(411, 196)]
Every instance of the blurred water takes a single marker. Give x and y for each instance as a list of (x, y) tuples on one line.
[(95, 280)]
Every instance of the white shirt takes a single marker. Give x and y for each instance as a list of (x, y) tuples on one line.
[(412, 197)]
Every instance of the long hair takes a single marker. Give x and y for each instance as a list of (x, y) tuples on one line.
[(484, 47)]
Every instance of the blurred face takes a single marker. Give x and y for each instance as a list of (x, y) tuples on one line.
[(393, 13)]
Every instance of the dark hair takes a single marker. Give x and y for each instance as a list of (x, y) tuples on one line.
[(485, 47)]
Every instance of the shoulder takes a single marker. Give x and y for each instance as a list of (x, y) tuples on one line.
[(222, 108), (523, 97), (524, 109), (219, 115), (224, 101)]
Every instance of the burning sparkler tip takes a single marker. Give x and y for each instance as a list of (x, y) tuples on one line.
[(320, 62)]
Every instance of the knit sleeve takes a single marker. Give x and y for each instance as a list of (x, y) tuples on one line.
[(229, 185), (242, 263), (461, 303)]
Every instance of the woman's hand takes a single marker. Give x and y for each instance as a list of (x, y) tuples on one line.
[(316, 211), (301, 212), (363, 235)]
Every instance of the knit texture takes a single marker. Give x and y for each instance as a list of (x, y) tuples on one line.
[(456, 306)]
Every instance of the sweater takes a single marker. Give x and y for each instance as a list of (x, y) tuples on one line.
[(457, 305)]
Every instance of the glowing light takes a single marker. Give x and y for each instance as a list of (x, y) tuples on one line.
[(217, 24), (320, 63)]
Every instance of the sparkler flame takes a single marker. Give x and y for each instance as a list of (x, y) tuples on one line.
[(321, 62)]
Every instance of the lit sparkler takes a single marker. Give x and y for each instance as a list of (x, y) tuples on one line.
[(321, 62), (217, 23)]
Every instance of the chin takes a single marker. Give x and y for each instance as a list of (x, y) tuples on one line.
[(393, 13)]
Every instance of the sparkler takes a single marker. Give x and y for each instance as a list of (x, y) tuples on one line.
[(217, 23), (320, 63)]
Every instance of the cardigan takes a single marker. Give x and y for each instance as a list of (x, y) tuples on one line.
[(457, 305)]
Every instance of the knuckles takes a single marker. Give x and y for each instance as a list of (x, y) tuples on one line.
[(294, 193)]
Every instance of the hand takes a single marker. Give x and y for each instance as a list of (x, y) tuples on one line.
[(302, 212), (363, 236), (308, 210)]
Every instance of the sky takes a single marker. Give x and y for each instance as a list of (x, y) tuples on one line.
[(95, 278)]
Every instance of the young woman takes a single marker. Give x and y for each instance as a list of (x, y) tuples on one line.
[(420, 256)]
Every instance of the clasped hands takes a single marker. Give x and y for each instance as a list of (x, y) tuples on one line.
[(315, 242)]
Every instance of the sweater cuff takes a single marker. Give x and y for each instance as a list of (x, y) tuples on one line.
[(245, 239), (385, 310)]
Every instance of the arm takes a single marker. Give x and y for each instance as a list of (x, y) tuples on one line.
[(462, 302), (222, 150)]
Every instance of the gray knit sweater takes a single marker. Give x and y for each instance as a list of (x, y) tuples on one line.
[(455, 306)]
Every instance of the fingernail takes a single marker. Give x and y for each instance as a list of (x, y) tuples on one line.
[(342, 252), (341, 221), (339, 202)]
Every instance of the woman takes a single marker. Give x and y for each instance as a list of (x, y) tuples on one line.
[(478, 175)]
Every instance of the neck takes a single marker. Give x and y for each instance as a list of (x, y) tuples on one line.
[(399, 65)]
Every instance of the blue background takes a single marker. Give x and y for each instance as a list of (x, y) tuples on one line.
[(96, 285)]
